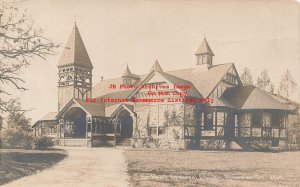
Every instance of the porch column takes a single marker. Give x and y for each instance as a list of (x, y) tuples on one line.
[(236, 130), (89, 124), (61, 128), (35, 131), (134, 125), (215, 123)]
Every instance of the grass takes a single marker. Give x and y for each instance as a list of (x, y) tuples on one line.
[(148, 167), (17, 163)]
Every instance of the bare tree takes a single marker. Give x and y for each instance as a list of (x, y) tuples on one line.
[(287, 84), (246, 77), (20, 43), (264, 82)]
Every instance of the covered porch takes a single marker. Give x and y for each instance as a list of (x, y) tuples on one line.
[(85, 124)]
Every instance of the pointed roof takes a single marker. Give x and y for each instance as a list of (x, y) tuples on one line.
[(127, 72), (75, 52), (156, 66), (204, 48)]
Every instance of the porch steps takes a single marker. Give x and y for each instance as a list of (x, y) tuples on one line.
[(103, 141)]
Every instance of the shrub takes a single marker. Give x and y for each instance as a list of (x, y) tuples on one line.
[(43, 142), (16, 138)]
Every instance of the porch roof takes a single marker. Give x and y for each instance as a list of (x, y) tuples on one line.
[(91, 108), (250, 97), (112, 110), (51, 116)]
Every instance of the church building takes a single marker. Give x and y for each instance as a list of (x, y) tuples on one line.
[(202, 107)]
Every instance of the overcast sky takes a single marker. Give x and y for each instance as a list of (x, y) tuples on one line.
[(258, 34)]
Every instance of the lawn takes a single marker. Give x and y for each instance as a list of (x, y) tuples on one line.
[(148, 167), (16, 163)]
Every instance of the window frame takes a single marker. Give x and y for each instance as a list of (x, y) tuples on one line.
[(206, 122)]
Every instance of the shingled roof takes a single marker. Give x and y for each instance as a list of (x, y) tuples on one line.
[(156, 66), (75, 52), (203, 82), (204, 48), (51, 116), (91, 108), (250, 97), (206, 81)]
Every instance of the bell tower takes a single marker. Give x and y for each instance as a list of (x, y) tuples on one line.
[(74, 71), (204, 56)]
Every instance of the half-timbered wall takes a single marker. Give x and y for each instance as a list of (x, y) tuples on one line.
[(230, 79)]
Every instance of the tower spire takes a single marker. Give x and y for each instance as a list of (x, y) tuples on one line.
[(75, 70), (75, 52)]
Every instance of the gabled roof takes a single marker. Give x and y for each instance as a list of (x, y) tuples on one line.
[(156, 66), (125, 106), (250, 97), (123, 94), (204, 48), (204, 82), (93, 109), (193, 92), (75, 52)]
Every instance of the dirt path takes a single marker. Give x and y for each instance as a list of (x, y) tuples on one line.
[(83, 167)]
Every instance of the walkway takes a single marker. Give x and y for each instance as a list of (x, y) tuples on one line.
[(83, 167)]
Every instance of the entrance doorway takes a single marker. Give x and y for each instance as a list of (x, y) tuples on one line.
[(126, 125), (75, 123)]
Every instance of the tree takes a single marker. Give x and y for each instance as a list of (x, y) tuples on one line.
[(246, 77), (21, 42), (1, 123), (287, 84), (17, 133), (264, 82)]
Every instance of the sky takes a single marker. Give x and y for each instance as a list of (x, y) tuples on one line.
[(257, 34)]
